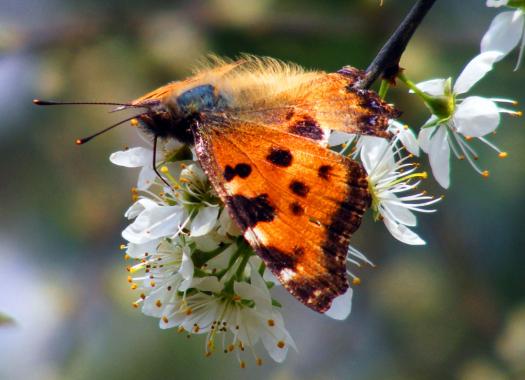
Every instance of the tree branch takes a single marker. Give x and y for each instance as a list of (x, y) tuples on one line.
[(387, 60)]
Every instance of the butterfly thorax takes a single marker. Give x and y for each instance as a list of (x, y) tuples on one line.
[(176, 116)]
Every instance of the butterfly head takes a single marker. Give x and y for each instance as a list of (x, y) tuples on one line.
[(173, 113)]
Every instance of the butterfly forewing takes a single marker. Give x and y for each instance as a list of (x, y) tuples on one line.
[(297, 202)]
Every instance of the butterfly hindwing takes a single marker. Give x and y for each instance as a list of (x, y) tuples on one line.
[(297, 202)]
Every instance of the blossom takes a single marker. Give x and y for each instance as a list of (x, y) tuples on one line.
[(507, 30), (138, 157), (391, 185), (456, 120)]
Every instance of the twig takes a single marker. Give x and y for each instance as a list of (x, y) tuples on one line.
[(386, 62)]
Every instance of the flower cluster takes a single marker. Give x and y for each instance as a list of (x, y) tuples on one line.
[(192, 270)]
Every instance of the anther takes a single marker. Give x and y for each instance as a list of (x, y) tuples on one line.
[(135, 305), (242, 364), (123, 247), (164, 169), (271, 322), (259, 361), (231, 347), (158, 303), (485, 173), (126, 257), (134, 122), (164, 319), (130, 279), (503, 154), (134, 286), (189, 311), (356, 281), (280, 344)]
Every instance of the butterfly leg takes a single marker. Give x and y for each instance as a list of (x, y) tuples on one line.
[(155, 162)]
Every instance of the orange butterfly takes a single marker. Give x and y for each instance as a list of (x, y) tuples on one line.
[(260, 129)]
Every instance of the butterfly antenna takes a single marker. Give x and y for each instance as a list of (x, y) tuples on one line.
[(40, 102), (88, 138)]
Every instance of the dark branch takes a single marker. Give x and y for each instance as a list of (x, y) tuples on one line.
[(387, 60)]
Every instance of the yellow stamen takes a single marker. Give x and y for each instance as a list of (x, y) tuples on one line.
[(158, 303), (356, 281), (134, 122), (164, 319), (280, 344), (503, 154), (164, 169), (258, 361), (485, 173), (134, 286)]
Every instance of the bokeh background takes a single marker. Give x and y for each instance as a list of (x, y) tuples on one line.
[(454, 309)]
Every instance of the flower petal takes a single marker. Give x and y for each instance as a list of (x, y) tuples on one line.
[(338, 138), (475, 70), (132, 158), (403, 233), (396, 212), (504, 33), (204, 221), (138, 251), (138, 207), (341, 306), (434, 87), (497, 3), (424, 136), (476, 116), (146, 177), (406, 136), (439, 157)]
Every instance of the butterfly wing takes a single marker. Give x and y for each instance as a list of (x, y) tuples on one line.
[(320, 103), (296, 202)]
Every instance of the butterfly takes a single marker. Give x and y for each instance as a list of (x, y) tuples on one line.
[(260, 129)]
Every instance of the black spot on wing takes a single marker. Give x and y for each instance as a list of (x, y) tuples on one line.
[(242, 170), (296, 209), (307, 127), (299, 188), (280, 157), (324, 171), (247, 212), (229, 173)]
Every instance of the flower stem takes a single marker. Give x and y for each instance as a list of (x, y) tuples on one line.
[(383, 89), (411, 85)]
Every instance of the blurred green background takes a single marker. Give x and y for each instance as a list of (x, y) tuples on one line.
[(454, 309)]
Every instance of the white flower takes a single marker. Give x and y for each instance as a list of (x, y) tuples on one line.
[(391, 186), (160, 274), (137, 158), (456, 120), (153, 220), (506, 30)]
